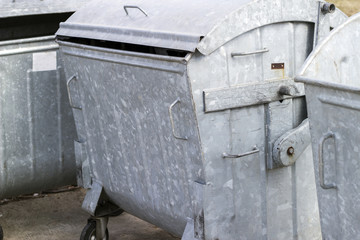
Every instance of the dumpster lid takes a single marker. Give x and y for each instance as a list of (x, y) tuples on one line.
[(334, 62), (181, 24), (12, 8), (172, 24)]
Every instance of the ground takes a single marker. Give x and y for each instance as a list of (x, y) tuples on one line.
[(60, 217), (349, 7)]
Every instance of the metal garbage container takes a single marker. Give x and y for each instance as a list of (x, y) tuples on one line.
[(188, 116), (333, 98), (37, 126)]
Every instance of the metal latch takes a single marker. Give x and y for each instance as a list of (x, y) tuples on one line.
[(291, 145)]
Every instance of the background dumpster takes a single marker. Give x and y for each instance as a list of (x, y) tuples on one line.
[(188, 116), (37, 126), (333, 96)]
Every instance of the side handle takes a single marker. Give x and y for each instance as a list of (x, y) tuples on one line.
[(172, 120), (321, 161), (240, 54), (72, 78)]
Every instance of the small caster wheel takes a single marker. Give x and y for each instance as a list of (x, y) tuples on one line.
[(89, 232), (1, 233)]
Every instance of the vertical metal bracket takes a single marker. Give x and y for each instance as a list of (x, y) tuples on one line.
[(92, 198)]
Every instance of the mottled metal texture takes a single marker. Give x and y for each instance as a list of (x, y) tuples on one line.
[(37, 127), (262, 12), (175, 28), (165, 26), (16, 8), (331, 77), (214, 164), (128, 134), (256, 203)]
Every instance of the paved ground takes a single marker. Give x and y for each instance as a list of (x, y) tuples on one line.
[(59, 217)]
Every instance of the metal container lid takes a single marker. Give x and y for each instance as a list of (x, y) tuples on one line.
[(334, 62), (16, 8), (172, 24)]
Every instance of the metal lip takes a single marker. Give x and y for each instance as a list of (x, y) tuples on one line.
[(27, 40), (125, 53), (321, 83), (29, 50), (155, 38)]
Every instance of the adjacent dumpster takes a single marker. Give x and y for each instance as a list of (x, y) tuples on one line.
[(333, 98), (188, 116), (37, 126)]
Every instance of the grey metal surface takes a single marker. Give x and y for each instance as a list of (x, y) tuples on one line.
[(16, 8), (331, 77), (289, 147), (256, 203), (149, 164), (165, 26), (259, 12), (250, 94), (175, 28), (153, 145), (37, 127)]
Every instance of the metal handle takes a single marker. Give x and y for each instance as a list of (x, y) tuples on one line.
[(321, 161), (172, 120), (226, 155), (136, 7), (74, 77), (249, 53)]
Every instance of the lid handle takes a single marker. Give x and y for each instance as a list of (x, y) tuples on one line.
[(131, 6)]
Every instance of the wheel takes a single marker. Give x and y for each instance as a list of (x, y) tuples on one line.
[(89, 232), (1, 233)]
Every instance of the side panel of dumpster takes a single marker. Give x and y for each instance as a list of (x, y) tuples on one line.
[(331, 77), (240, 117), (335, 137), (141, 135), (37, 126)]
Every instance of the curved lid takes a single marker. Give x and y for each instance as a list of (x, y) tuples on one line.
[(181, 24), (336, 60), (15, 8), (175, 24)]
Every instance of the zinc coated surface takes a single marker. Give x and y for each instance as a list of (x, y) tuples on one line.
[(149, 172), (17, 8), (175, 24), (130, 143), (256, 203), (160, 24), (37, 127), (333, 97)]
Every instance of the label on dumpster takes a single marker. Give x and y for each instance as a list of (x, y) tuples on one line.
[(44, 61)]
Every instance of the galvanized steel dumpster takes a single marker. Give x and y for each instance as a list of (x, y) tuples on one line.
[(37, 126), (188, 116), (332, 86)]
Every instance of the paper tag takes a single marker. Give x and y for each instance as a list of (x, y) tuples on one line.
[(44, 61)]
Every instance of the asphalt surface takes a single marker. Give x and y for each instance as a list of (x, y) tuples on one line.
[(60, 217)]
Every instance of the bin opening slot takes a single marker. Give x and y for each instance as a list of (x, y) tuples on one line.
[(29, 26), (125, 46)]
